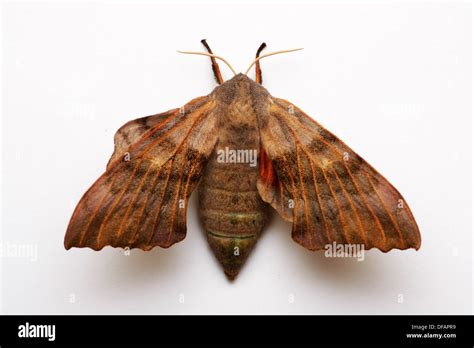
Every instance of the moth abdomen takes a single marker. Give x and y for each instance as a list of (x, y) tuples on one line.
[(233, 224), (231, 211), (230, 208)]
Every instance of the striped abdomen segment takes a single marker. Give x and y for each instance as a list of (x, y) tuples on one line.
[(232, 212)]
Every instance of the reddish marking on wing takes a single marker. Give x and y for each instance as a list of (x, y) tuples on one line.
[(267, 174)]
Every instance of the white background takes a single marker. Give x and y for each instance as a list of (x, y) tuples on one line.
[(392, 80)]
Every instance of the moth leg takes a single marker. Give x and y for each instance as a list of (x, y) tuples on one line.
[(258, 71), (215, 66)]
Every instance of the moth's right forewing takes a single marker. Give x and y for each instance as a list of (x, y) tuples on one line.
[(335, 196), (141, 199)]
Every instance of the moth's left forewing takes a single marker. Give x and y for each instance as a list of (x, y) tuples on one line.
[(140, 201), (334, 195), (131, 132)]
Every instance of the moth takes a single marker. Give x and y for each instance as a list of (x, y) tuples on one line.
[(247, 152)]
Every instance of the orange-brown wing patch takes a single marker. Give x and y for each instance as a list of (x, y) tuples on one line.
[(132, 131), (271, 188)]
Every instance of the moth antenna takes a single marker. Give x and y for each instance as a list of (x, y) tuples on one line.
[(210, 55), (258, 71), (268, 55), (215, 66)]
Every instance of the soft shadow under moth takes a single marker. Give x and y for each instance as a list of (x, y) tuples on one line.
[(248, 151)]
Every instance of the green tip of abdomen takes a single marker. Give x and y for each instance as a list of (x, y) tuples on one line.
[(231, 252)]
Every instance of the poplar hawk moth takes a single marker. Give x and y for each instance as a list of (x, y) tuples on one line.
[(249, 152)]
